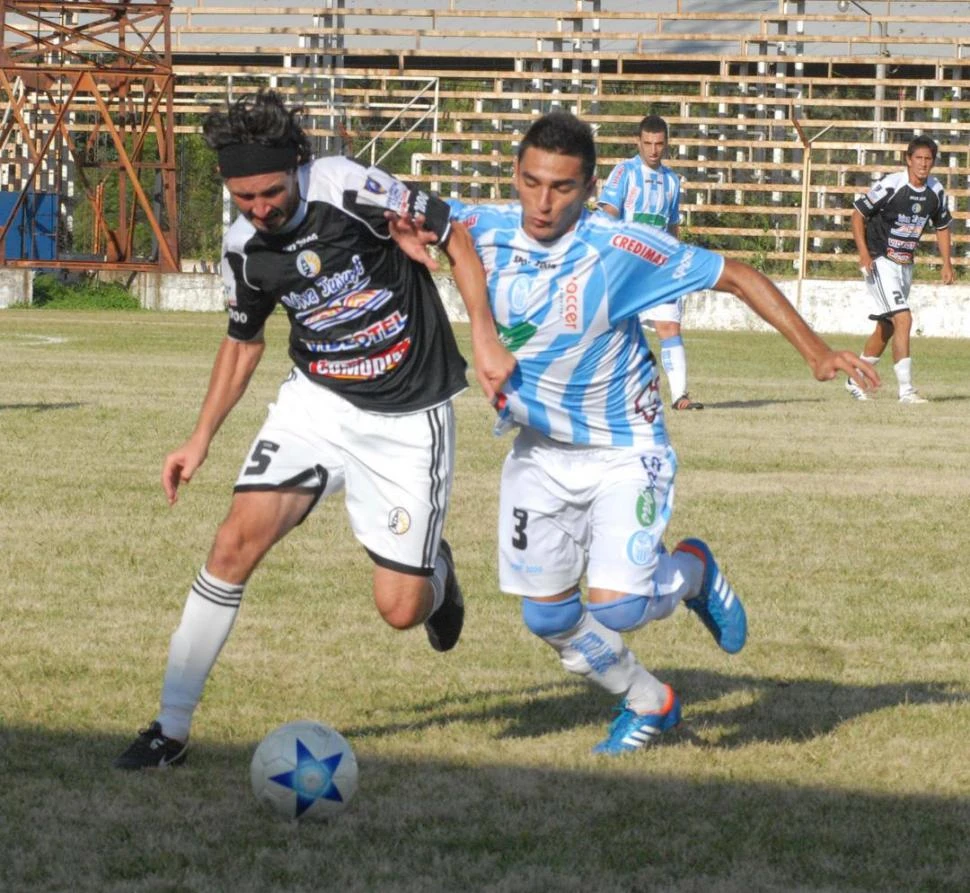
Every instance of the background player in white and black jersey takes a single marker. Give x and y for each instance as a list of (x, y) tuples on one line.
[(887, 223), (366, 409)]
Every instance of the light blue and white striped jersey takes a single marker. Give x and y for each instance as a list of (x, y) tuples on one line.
[(643, 195), (569, 312)]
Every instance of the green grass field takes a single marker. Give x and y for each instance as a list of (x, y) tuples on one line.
[(830, 755)]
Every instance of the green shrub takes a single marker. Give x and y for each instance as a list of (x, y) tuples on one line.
[(87, 293)]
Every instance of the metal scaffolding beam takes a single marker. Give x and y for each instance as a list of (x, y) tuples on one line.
[(87, 116)]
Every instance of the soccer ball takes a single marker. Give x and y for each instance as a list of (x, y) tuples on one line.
[(304, 770)]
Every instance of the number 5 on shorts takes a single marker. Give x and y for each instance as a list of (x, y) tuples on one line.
[(262, 456)]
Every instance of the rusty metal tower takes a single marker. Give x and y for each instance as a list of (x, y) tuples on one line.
[(87, 131)]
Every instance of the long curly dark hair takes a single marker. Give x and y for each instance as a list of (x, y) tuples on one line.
[(262, 118)]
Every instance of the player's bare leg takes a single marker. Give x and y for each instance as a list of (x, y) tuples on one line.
[(256, 521), (902, 364), (405, 600)]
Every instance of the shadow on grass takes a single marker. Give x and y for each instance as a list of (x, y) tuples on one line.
[(468, 825), (774, 710), (755, 404), (39, 407)]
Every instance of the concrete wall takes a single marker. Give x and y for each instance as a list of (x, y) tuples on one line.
[(16, 286), (178, 291), (828, 305)]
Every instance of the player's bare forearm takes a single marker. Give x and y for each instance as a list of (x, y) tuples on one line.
[(764, 298), (859, 237), (944, 241), (233, 368)]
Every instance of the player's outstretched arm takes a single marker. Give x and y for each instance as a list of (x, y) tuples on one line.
[(233, 367), (493, 362), (764, 298)]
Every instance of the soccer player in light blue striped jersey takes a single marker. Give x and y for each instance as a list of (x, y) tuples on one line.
[(643, 189), (588, 486)]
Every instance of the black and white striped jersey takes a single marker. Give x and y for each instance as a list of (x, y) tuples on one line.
[(897, 212), (365, 320)]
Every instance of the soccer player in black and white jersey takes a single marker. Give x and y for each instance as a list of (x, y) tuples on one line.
[(366, 409), (887, 223)]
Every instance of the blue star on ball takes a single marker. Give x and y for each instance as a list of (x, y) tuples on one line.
[(312, 779)]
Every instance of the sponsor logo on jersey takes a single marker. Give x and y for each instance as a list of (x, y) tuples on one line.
[(616, 176), (684, 264), (640, 548), (365, 368), (308, 263), (344, 309), (646, 507), (513, 337), (398, 521), (572, 308), (657, 220), (299, 243), (471, 221), (639, 249), (383, 330), (344, 282), (374, 186), (538, 263)]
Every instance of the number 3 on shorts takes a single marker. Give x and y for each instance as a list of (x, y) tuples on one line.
[(519, 538), (262, 456)]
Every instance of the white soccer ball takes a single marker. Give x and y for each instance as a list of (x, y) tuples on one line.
[(304, 770)]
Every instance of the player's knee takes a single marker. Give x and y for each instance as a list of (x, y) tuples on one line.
[(235, 552), (401, 605), (629, 612), (552, 618)]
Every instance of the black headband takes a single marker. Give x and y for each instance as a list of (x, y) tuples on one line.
[(248, 159)]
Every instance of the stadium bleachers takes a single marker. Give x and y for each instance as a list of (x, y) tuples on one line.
[(780, 112)]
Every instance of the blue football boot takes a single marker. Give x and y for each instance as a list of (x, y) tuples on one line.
[(717, 605)]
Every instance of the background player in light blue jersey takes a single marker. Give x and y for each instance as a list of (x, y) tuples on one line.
[(588, 486), (643, 189)]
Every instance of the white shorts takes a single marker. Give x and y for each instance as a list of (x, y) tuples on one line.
[(672, 311), (397, 470), (565, 510), (888, 287)]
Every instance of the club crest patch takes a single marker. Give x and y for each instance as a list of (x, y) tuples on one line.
[(640, 548), (399, 521), (308, 264)]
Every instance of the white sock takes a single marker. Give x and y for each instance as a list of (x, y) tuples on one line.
[(678, 576), (673, 357), (904, 375), (598, 653), (870, 360), (210, 611)]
